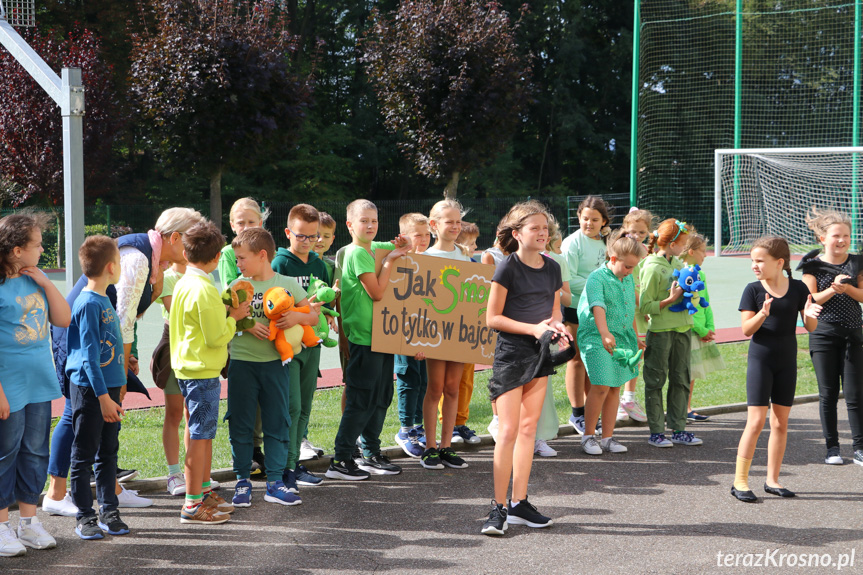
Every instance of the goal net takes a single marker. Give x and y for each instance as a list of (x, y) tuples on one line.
[(769, 192)]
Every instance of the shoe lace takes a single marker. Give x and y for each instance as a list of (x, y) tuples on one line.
[(685, 435), (242, 490), (7, 535)]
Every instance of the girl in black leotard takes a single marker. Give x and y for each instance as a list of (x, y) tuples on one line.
[(769, 309)]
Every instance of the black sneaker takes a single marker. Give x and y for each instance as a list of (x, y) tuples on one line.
[(526, 514), (357, 455), (111, 522), (496, 523), (431, 459), (88, 528), (346, 470), (124, 475), (379, 465), (257, 469), (450, 459)]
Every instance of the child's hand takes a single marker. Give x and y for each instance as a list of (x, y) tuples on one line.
[(334, 325), (420, 356), (608, 342), (398, 252), (401, 241), (811, 309), (642, 344), (259, 330), (765, 309), (676, 291), (838, 286), (4, 407), (36, 275), (111, 412), (134, 366), (240, 311)]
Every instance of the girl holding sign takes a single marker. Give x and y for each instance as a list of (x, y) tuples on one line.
[(523, 305)]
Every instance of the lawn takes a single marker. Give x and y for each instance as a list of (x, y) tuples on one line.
[(141, 436)]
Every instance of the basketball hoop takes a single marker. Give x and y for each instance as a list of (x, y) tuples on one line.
[(19, 13)]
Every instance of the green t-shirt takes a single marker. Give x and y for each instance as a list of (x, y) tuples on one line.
[(247, 347), (228, 270), (583, 255), (356, 302), (168, 284)]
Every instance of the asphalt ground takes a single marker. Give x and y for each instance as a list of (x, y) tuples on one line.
[(650, 510)]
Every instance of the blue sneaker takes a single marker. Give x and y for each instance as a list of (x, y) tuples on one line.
[(290, 480), (659, 440), (421, 435), (306, 477), (278, 493), (468, 435), (685, 438), (242, 494), (409, 442)]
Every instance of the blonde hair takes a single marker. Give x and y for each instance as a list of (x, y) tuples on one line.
[(619, 246), (819, 221), (468, 230), (357, 206), (450, 203), (554, 234), (410, 221), (515, 220), (695, 241), (635, 215), (251, 205), (177, 220)]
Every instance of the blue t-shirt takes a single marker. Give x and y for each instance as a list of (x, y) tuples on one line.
[(95, 344), (26, 371)]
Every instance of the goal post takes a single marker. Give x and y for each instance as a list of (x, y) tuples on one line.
[(768, 191)]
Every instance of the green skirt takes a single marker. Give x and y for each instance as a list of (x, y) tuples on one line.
[(705, 358)]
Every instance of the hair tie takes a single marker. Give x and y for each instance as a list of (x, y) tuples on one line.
[(633, 209), (656, 233), (604, 231)]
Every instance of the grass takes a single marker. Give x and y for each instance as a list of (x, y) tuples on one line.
[(141, 437)]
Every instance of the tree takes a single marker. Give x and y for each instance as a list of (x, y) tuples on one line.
[(31, 137), (214, 89), (451, 82)]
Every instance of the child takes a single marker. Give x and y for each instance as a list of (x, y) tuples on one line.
[(584, 251), (444, 376), (95, 367), (768, 312), (704, 357), (256, 377), (200, 334), (369, 374), (668, 340), (326, 236), (524, 303), (606, 314), (28, 301), (300, 262), (836, 346)]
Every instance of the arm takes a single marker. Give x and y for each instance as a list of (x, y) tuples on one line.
[(486, 258), (608, 341), (88, 333), (216, 330), (651, 293), (375, 285), (496, 320), (4, 405), (565, 295), (134, 274), (820, 297), (810, 313), (59, 312), (855, 293)]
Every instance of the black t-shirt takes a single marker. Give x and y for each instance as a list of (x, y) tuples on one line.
[(530, 291), (784, 311), (840, 309)]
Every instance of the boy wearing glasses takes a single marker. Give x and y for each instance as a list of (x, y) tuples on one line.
[(300, 262)]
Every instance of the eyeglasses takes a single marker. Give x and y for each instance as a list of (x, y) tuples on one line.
[(304, 238)]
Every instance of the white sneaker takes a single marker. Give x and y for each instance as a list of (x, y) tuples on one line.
[(621, 414), (213, 484), (634, 410), (611, 445), (590, 445), (9, 544), (177, 484), (33, 535), (308, 451), (130, 498), (65, 507), (541, 448), (492, 428)]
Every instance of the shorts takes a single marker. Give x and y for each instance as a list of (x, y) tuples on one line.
[(171, 386), (570, 315), (202, 400)]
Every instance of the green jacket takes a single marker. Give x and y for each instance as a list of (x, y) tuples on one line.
[(656, 281), (703, 319)]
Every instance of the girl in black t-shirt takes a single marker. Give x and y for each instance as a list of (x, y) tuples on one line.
[(769, 309)]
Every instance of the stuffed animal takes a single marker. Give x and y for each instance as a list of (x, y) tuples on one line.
[(626, 357), (278, 301), (687, 279), (237, 294), (324, 294)]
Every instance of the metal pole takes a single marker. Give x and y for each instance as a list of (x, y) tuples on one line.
[(72, 109), (855, 127), (717, 203), (633, 146), (738, 75)]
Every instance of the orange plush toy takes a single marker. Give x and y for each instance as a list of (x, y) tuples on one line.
[(278, 301)]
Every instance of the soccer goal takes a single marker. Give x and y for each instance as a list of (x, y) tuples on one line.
[(769, 191)]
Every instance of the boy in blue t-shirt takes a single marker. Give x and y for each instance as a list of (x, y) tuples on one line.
[(96, 368)]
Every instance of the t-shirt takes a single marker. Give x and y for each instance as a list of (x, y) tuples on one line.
[(530, 291), (356, 302), (455, 254), (840, 309), (228, 270), (561, 261), (583, 254), (168, 283), (95, 345), (782, 321), (247, 347), (287, 264), (26, 370)]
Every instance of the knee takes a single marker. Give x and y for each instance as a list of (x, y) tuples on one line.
[(527, 426), (778, 425), (451, 392), (506, 433)]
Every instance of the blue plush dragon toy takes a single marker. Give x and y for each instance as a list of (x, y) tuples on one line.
[(687, 279)]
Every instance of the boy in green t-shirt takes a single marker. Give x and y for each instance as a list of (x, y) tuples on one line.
[(369, 374), (256, 376), (326, 236)]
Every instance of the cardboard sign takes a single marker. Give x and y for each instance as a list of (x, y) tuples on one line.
[(435, 306)]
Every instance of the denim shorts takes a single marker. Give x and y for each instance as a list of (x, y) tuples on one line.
[(24, 453), (202, 400)]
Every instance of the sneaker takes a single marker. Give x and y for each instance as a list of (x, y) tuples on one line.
[(33, 535), (242, 494), (215, 501), (65, 507), (659, 440), (634, 410), (577, 423), (590, 445), (408, 442), (257, 467), (111, 522), (696, 417), (833, 457), (468, 435), (130, 498), (177, 484), (9, 544), (88, 528), (526, 514), (431, 459), (203, 514), (346, 470), (213, 484), (308, 451), (685, 438), (421, 435), (357, 455), (493, 427), (456, 438), (611, 445), (621, 414), (379, 465), (124, 475), (449, 458), (858, 457), (496, 522), (306, 477), (289, 478), (278, 493), (308, 445), (541, 448)]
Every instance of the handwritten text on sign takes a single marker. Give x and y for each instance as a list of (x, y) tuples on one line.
[(435, 306)]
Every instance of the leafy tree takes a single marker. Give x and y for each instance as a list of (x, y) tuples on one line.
[(450, 80), (214, 88), (31, 136)]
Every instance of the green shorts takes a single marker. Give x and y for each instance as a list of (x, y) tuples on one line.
[(172, 387)]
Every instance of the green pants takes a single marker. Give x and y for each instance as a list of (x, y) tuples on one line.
[(368, 395), (304, 380), (252, 384), (667, 355)]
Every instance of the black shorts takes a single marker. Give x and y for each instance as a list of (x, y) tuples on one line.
[(771, 373), (570, 315)]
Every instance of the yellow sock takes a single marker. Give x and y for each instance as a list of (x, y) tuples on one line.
[(741, 474)]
